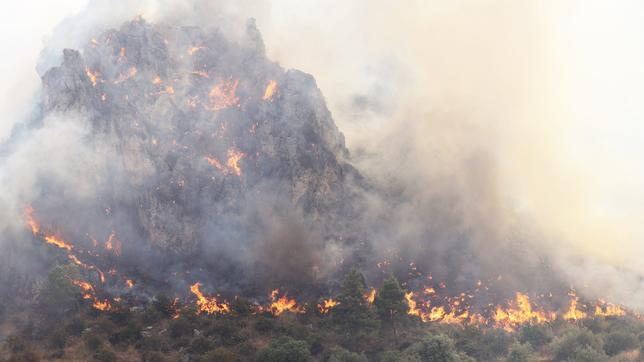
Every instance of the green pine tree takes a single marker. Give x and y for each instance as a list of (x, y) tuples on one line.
[(353, 311), (390, 303)]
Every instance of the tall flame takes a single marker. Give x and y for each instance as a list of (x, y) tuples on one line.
[(208, 305)]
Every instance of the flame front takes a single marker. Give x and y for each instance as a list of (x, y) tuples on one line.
[(520, 312)]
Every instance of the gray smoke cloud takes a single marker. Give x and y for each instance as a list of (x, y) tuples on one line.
[(448, 111)]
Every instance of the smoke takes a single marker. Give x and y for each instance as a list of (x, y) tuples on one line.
[(456, 112)]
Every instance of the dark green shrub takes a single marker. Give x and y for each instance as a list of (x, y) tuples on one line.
[(586, 354), (58, 338), (438, 348), (130, 333), (497, 342), (151, 315), (241, 307), (25, 356), (617, 342), (520, 352), (285, 349), (200, 345), (180, 327), (265, 324), (397, 356), (154, 343), (92, 342), (566, 346), (342, 355), (105, 355), (152, 356), (75, 327), (164, 305), (537, 335), (219, 355)]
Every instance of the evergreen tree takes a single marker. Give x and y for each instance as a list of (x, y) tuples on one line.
[(353, 311), (390, 303)]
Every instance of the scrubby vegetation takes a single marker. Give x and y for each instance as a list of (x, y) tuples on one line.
[(60, 327)]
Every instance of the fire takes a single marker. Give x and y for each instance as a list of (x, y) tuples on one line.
[(102, 305), (53, 240), (371, 295), (157, 80), (129, 283), (93, 42), (223, 96), (31, 221), (603, 309), (326, 305), (208, 305), (85, 286), (169, 89), (123, 77), (233, 161), (270, 90), (113, 244), (94, 77), (283, 304), (89, 294), (121, 55), (232, 164), (573, 313), (215, 163), (520, 312), (200, 73), (411, 303), (193, 50)]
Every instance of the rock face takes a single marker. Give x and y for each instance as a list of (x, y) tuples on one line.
[(215, 147)]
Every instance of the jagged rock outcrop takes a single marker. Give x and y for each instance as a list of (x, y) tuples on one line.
[(207, 134)]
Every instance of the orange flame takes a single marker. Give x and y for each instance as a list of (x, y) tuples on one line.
[(53, 240), (283, 304), (31, 221), (93, 76), (326, 305), (193, 50), (371, 296), (573, 313), (123, 77), (233, 161), (200, 73), (223, 96), (603, 309), (208, 305), (520, 312), (270, 90)]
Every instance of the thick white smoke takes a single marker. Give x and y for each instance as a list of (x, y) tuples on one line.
[(482, 115)]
